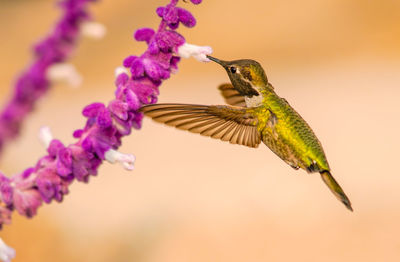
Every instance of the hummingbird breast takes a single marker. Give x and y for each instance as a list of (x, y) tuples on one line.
[(289, 136)]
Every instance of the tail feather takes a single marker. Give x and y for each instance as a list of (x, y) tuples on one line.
[(335, 188)]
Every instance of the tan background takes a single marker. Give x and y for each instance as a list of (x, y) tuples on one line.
[(192, 198)]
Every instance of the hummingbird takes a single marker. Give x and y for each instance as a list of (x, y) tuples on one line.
[(254, 114)]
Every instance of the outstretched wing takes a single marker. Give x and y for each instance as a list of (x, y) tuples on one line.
[(231, 96), (227, 123)]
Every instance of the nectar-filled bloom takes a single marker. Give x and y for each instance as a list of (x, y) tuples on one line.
[(198, 52)]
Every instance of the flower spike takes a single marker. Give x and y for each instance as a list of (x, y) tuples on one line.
[(32, 84), (137, 83)]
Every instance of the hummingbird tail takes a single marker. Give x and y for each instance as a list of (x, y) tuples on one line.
[(335, 188)]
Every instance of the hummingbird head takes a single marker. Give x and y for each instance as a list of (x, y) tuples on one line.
[(247, 76)]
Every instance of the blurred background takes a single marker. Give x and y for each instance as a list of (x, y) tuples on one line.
[(192, 198)]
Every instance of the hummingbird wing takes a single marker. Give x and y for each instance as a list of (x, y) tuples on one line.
[(228, 123), (231, 95)]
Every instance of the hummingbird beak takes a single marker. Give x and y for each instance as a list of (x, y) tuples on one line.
[(216, 60)]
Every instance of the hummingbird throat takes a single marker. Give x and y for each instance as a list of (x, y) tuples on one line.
[(252, 94), (253, 101)]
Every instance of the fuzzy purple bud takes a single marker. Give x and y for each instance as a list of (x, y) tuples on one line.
[(173, 15), (129, 60), (160, 11), (186, 17), (77, 133), (137, 69), (55, 147), (104, 118), (144, 34), (93, 110)]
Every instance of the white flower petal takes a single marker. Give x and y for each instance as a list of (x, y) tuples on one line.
[(127, 160), (93, 30), (65, 72), (6, 253), (45, 136), (120, 70), (198, 52)]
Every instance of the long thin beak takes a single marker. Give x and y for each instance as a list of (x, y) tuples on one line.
[(216, 60)]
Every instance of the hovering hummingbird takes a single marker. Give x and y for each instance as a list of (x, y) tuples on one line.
[(255, 113)]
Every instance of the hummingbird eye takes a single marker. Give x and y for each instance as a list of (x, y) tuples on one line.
[(232, 69)]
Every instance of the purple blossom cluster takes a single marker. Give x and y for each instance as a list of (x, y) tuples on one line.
[(33, 83), (105, 125)]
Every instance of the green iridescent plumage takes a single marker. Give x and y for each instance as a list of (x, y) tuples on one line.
[(255, 113), (286, 133)]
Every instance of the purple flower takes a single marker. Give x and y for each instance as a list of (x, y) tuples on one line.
[(119, 109), (50, 185), (64, 162), (83, 166), (105, 126), (55, 147), (33, 84), (26, 202), (144, 34), (129, 61), (186, 18), (169, 41), (173, 15), (6, 190), (132, 99)]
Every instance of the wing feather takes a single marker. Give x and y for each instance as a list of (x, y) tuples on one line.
[(228, 123), (231, 96)]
